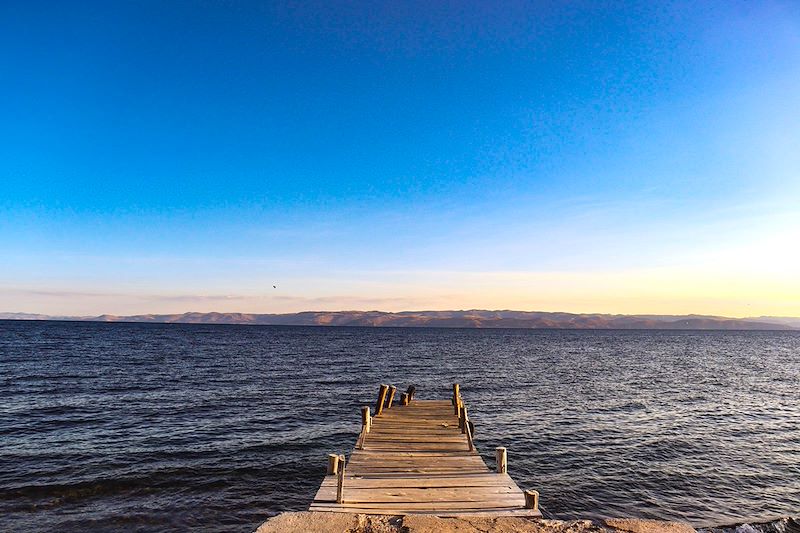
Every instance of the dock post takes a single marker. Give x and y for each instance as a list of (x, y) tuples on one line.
[(456, 393), (457, 406), (532, 500), (340, 482), (468, 428), (389, 401), (404, 399), (366, 419), (501, 457), (333, 464), (410, 393), (381, 399), (462, 418)]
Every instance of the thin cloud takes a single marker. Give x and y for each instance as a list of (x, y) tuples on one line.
[(344, 300), (152, 297)]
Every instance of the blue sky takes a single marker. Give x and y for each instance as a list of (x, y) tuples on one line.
[(166, 157)]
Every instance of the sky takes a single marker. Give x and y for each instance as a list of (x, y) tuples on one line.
[(265, 157)]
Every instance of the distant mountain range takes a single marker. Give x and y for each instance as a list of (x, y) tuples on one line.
[(474, 318)]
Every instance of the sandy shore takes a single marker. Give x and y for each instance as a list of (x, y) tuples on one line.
[(308, 522)]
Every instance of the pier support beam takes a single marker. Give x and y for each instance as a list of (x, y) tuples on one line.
[(333, 464), (502, 460), (456, 393), (381, 399), (340, 482), (410, 393), (366, 419), (389, 400), (404, 399), (532, 500)]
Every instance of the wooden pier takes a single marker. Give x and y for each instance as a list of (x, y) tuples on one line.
[(419, 457)]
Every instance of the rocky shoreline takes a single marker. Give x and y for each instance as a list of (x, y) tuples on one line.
[(311, 522), (308, 522)]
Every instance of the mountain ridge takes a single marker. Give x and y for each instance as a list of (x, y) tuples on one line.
[(472, 318)]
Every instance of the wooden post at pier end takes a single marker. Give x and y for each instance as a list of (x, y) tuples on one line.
[(464, 420), (532, 500), (410, 393), (501, 457), (461, 417), (381, 399), (389, 401), (340, 482), (404, 399), (456, 393), (366, 419), (333, 464)]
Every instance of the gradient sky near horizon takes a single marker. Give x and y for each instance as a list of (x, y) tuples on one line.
[(584, 156)]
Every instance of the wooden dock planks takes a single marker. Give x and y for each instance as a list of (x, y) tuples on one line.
[(415, 459)]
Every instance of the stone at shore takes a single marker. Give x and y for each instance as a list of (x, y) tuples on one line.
[(311, 522), (634, 525)]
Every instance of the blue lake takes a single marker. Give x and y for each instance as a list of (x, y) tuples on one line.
[(155, 427)]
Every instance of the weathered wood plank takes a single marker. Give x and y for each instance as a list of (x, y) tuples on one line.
[(477, 512), (518, 503), (467, 480), (433, 461), (415, 494)]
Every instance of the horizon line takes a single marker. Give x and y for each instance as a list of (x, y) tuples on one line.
[(183, 313)]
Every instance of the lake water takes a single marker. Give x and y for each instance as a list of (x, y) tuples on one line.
[(153, 427)]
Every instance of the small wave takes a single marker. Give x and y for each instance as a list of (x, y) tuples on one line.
[(625, 407), (787, 524), (38, 496)]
